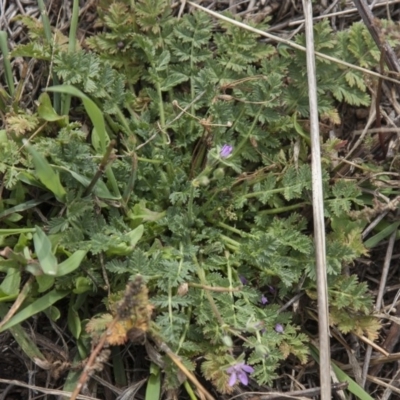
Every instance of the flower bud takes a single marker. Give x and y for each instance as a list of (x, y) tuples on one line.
[(227, 340), (183, 289), (203, 181), (219, 173)]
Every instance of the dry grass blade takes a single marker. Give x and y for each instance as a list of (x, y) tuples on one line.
[(277, 39), (54, 392), (378, 305), (318, 210)]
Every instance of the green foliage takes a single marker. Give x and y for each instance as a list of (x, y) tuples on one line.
[(168, 94)]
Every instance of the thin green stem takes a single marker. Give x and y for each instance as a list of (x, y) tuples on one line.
[(47, 32), (202, 277), (45, 20), (231, 286), (171, 320), (283, 209), (263, 192), (161, 110), (244, 140), (148, 160), (6, 63), (185, 331), (230, 241), (189, 390), (113, 181), (66, 98), (233, 230), (190, 204), (104, 162)]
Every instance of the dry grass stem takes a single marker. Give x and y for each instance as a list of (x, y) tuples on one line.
[(318, 210)]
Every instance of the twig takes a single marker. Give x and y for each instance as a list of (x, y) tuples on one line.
[(19, 300), (53, 392), (372, 344), (336, 14), (379, 382), (362, 136), (164, 347), (132, 178), (88, 367), (379, 298), (290, 302), (318, 211), (369, 20), (100, 171), (289, 395)]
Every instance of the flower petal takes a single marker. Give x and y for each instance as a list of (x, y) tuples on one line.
[(226, 151), (264, 300), (232, 379), (248, 369), (243, 378)]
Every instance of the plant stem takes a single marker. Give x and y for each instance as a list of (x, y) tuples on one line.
[(104, 162), (47, 32), (190, 204), (244, 140), (131, 180), (201, 275), (234, 230), (66, 98), (161, 109), (283, 209), (6, 62)]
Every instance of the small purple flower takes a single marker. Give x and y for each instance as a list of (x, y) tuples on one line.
[(264, 300), (239, 371), (279, 328), (226, 151), (243, 280)]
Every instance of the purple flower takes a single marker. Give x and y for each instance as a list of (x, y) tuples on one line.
[(243, 280), (239, 371), (226, 151), (264, 300), (279, 328)]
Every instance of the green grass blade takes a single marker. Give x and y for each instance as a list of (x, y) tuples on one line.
[(119, 371), (100, 189), (48, 261), (154, 383), (384, 233), (16, 231), (36, 307), (6, 63), (353, 387), (47, 32), (95, 114), (9, 287), (66, 103), (46, 174), (24, 206), (71, 263), (24, 341), (47, 112), (100, 138)]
